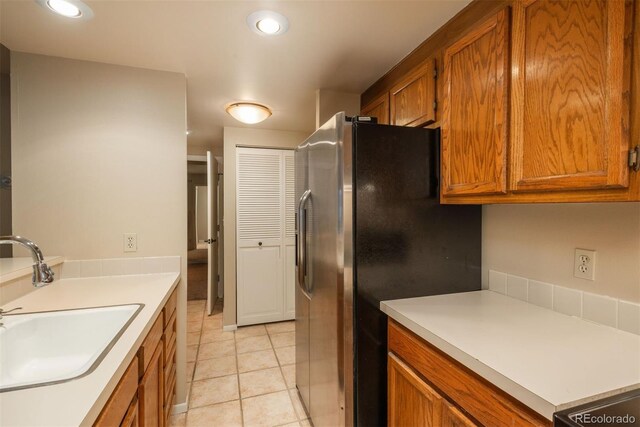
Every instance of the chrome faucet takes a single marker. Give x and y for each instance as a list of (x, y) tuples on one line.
[(42, 274)]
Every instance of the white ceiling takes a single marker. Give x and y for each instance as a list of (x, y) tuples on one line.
[(339, 45)]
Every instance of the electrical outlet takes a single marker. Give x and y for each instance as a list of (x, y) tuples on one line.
[(130, 242), (585, 264)]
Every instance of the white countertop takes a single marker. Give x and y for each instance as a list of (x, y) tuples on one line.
[(12, 268), (547, 360), (79, 402)]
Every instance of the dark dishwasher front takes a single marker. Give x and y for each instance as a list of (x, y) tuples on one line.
[(620, 410)]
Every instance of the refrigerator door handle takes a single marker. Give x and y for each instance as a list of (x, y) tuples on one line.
[(301, 253)]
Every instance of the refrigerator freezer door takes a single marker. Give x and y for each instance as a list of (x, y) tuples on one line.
[(302, 297), (325, 264)]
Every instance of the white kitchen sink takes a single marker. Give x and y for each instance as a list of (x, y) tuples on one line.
[(44, 348)]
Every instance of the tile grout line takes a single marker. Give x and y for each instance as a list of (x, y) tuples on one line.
[(195, 364), (235, 346), (286, 386), (237, 374)]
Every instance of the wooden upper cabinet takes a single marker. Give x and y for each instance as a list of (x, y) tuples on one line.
[(378, 108), (475, 110), (412, 100), (569, 108), (411, 401)]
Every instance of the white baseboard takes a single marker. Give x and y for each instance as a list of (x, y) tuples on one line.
[(229, 328), (180, 408)]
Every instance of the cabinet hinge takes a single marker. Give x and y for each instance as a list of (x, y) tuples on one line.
[(217, 278), (435, 105), (634, 158), (435, 73)]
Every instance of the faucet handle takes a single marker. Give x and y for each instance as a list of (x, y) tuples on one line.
[(42, 274)]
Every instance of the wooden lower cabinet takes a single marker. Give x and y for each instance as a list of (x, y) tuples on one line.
[(169, 359), (118, 406), (151, 392), (428, 388), (131, 418), (452, 417), (411, 401), (145, 393)]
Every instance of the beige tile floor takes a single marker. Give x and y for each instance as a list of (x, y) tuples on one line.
[(241, 378)]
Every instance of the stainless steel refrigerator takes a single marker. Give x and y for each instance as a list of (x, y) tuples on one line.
[(369, 228)]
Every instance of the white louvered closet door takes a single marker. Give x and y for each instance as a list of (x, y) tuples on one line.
[(265, 220)]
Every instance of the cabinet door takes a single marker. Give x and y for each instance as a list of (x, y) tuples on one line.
[(452, 417), (117, 406), (474, 110), (569, 112), (378, 108), (131, 418), (411, 401), (412, 101), (151, 392)]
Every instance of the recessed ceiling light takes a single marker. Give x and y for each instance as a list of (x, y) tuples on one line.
[(68, 8), (267, 22), (268, 26), (248, 112), (64, 8)]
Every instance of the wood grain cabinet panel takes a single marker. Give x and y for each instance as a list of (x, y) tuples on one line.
[(569, 108), (412, 101), (474, 113), (169, 310), (453, 417), (411, 401), (169, 350), (378, 108), (131, 419), (116, 409), (151, 392), (148, 348)]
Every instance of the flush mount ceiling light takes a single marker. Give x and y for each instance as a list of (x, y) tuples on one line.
[(74, 9), (248, 112), (267, 23)]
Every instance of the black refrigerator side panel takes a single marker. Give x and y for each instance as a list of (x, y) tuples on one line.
[(406, 245)]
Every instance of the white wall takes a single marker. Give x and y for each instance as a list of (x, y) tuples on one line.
[(100, 150), (538, 242), (201, 150), (330, 102), (244, 137)]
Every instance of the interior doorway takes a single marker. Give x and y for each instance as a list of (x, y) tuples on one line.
[(204, 277)]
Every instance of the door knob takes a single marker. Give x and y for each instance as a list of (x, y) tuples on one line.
[(259, 243)]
